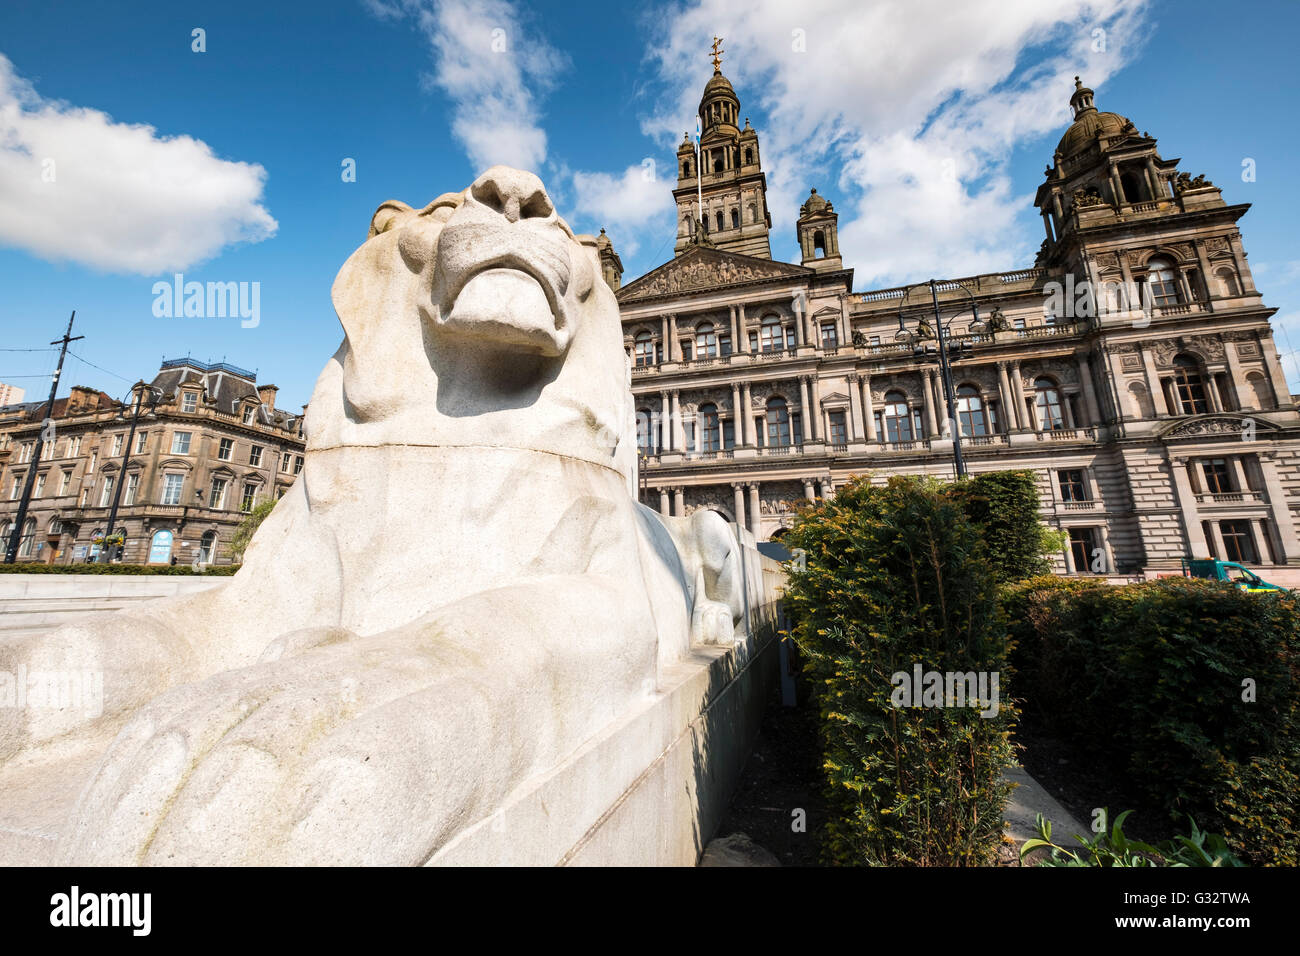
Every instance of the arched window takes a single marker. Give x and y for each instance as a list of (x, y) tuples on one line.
[(686, 168), (1227, 280), (1260, 392), (717, 163), (644, 349), (710, 432), (819, 244), (898, 420), (645, 433), (706, 341), (753, 212), (735, 219), (207, 547), (1162, 281), (1189, 386), (770, 335), (972, 417), (749, 157), (778, 421), (29, 536), (720, 226), (1132, 186), (1047, 404)]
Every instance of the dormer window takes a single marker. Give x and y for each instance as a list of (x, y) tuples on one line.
[(189, 401), (249, 412)]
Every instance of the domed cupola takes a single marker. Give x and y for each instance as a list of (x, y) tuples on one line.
[(1089, 124)]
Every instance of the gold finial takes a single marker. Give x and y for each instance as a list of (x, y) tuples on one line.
[(717, 55)]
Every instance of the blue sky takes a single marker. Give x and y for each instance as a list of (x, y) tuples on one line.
[(927, 123)]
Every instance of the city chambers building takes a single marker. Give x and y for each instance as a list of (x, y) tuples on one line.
[(1132, 368), (209, 445)]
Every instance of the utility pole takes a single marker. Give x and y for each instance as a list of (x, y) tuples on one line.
[(20, 519), (945, 371), (138, 392)]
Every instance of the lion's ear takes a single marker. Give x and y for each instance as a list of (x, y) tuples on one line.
[(386, 215)]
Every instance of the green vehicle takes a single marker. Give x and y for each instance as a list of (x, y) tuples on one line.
[(1243, 577)]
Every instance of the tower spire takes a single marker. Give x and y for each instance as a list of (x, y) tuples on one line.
[(717, 54)]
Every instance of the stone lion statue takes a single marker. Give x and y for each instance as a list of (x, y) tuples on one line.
[(457, 592)]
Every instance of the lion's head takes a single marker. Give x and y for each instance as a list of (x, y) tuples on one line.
[(480, 319)]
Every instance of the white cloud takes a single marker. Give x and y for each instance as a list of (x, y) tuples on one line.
[(492, 67), (919, 103), (77, 186), (625, 205)]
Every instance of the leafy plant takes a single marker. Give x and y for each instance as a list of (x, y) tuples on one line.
[(1113, 848), (243, 535)]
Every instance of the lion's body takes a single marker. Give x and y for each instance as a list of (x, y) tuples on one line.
[(457, 591)]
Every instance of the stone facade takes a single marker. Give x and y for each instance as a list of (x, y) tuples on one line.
[(214, 445), (1132, 368)]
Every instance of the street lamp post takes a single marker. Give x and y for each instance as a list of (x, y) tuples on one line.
[(138, 391), (978, 326)]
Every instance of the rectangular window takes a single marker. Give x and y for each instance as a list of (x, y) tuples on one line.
[(250, 495), (1218, 481), (874, 340), (248, 414), (172, 485), (106, 493), (39, 490), (830, 336), (189, 401), (1072, 485), (255, 455), (839, 429), (285, 461), (789, 338), (1082, 547), (141, 440), (753, 341), (686, 351), (1238, 543), (117, 445), (297, 464), (729, 434), (64, 482), (181, 443), (25, 452), (226, 449), (74, 446), (94, 457), (217, 495), (15, 487), (132, 485), (724, 343)]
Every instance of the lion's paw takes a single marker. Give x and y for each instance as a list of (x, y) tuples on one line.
[(712, 624)]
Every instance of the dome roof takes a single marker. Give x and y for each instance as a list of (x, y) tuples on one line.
[(1089, 123), (718, 84), (814, 203), (1085, 128)]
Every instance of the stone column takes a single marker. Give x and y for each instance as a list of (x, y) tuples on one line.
[(1240, 393), (855, 408), (665, 424), (1282, 518), (800, 336), (673, 355), (815, 393), (663, 501), (739, 491), (1212, 391), (1186, 499), (1276, 374), (755, 515), (927, 395), (822, 491), (1239, 257), (868, 409), (735, 332), (742, 333), (808, 490), (737, 419), (1261, 544), (1154, 385), (1216, 535), (679, 502), (1207, 276), (679, 434), (663, 341), (746, 416), (1239, 473), (1010, 407), (805, 419), (1089, 392)]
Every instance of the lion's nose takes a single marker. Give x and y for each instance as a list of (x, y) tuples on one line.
[(513, 193)]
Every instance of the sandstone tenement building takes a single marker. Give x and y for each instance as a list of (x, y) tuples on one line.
[(1132, 368), (214, 446)]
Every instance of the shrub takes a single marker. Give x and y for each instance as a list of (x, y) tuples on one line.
[(1157, 679), (897, 576), (1113, 848), (213, 570), (1004, 505), (243, 535)]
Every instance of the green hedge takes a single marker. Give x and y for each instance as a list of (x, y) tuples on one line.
[(1004, 505), (897, 576), (1149, 678), (218, 570)]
